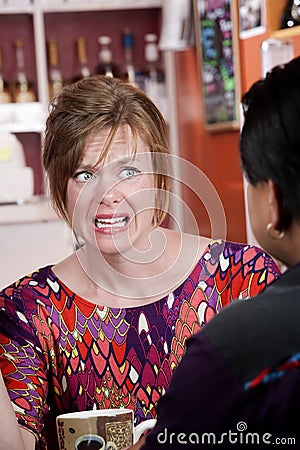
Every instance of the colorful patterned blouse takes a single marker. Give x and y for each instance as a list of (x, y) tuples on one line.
[(61, 352)]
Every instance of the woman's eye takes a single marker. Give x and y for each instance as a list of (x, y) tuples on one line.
[(129, 172), (84, 176)]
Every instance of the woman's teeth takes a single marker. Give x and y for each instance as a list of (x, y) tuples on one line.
[(112, 222)]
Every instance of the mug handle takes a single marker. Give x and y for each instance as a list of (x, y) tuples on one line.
[(110, 446), (141, 428)]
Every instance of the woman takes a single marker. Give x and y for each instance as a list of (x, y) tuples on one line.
[(107, 326), (249, 393)]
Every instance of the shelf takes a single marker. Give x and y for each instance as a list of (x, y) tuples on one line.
[(17, 10), (286, 33), (275, 10), (37, 209), (97, 5), (77, 5), (22, 117), (16, 6), (38, 21)]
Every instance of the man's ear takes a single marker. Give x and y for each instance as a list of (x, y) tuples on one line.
[(274, 205)]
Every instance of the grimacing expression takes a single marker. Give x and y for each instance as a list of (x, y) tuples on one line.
[(112, 202)]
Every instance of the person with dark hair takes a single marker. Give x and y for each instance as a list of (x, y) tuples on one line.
[(107, 326), (238, 384)]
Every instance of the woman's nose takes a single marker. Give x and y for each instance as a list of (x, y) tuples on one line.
[(111, 195)]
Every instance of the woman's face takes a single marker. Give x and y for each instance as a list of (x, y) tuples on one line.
[(111, 203)]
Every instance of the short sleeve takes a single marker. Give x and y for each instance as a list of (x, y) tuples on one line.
[(231, 271), (22, 361), (252, 270)]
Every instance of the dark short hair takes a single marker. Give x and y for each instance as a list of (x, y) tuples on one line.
[(92, 105), (270, 137)]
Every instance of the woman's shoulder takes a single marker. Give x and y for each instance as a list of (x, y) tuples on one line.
[(41, 281), (223, 255), (22, 302), (238, 252), (238, 261)]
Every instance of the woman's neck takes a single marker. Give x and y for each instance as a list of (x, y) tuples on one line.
[(137, 277)]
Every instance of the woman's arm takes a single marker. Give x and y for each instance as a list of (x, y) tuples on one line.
[(20, 349), (12, 437), (28, 439)]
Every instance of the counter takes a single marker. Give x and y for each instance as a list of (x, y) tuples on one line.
[(31, 236)]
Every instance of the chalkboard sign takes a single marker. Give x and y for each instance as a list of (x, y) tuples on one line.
[(217, 43)]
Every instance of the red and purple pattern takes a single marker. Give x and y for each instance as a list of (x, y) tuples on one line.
[(60, 351), (269, 374)]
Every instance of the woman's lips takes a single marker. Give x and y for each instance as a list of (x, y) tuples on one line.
[(110, 223)]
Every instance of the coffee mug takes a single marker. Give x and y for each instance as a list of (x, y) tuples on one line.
[(103, 429)]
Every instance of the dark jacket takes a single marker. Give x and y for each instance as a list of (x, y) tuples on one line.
[(238, 385)]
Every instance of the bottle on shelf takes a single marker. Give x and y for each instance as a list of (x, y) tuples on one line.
[(5, 96), (154, 76), (55, 76), (129, 72), (291, 14), (23, 88), (82, 70), (106, 65)]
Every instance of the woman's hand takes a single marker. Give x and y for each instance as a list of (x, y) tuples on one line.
[(138, 445)]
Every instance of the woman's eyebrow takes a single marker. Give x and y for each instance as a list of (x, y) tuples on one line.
[(140, 158), (119, 162), (86, 166)]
